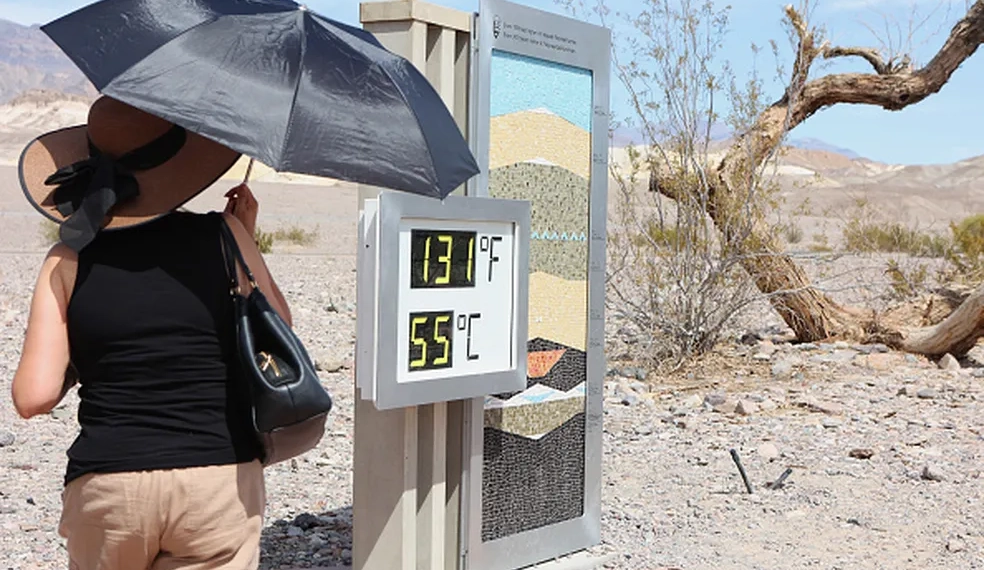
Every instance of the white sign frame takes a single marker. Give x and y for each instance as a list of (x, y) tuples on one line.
[(380, 277)]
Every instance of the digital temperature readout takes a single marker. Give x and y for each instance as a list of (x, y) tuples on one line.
[(442, 259)]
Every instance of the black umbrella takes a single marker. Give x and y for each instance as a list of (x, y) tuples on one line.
[(297, 91)]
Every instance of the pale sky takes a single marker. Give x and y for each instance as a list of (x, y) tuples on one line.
[(946, 127)]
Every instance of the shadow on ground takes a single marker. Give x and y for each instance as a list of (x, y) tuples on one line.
[(308, 541)]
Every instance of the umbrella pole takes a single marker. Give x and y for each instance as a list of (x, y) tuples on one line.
[(249, 169)]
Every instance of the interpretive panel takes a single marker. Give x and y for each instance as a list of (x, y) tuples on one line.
[(542, 135)]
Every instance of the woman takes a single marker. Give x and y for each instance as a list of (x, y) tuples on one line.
[(165, 471)]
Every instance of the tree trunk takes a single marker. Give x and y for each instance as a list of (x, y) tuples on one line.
[(812, 315), (955, 335)]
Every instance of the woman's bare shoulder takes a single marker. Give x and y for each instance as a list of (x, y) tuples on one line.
[(61, 264)]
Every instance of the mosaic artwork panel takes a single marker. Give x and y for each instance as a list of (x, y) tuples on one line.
[(534, 482), (558, 215), (540, 150)]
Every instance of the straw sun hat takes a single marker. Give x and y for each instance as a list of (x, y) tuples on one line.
[(124, 167)]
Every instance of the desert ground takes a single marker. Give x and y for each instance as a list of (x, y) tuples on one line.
[(886, 451)]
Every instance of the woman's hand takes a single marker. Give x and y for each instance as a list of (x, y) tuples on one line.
[(243, 205)]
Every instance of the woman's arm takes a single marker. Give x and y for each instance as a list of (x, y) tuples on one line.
[(39, 381), (253, 257)]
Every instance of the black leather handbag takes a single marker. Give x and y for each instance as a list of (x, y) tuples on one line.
[(290, 406)]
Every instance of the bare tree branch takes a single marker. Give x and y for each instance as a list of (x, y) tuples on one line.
[(871, 55)]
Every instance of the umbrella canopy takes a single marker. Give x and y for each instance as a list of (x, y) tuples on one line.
[(295, 90)]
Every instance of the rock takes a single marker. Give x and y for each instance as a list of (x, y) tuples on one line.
[(829, 408), (329, 366), (692, 401), (831, 423), (768, 451), (975, 356), (911, 359), (782, 370), (61, 413), (871, 348), (932, 474), (746, 407), (715, 399), (726, 407), (926, 393), (862, 453), (305, 521), (639, 387), (294, 531), (840, 356), (956, 544), (6, 439), (881, 361), (750, 338), (762, 356), (316, 542), (948, 362), (625, 394)]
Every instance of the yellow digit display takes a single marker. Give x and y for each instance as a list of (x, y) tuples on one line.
[(445, 259), (450, 266), (436, 325), (418, 342)]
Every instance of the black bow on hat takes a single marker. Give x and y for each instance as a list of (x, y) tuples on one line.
[(89, 188)]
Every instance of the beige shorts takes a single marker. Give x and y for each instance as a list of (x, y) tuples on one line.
[(193, 519)]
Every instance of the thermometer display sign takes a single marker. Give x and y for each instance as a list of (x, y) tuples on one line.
[(445, 310)]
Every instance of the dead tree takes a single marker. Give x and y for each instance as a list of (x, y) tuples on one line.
[(894, 85)]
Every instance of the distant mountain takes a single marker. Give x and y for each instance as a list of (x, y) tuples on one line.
[(29, 60), (34, 112), (817, 144)]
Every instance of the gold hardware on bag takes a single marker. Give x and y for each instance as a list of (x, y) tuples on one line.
[(269, 362)]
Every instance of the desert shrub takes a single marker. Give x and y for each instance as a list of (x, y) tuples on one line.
[(792, 233), (893, 237), (676, 279), (907, 281), (296, 235), (967, 255), (264, 241), (49, 232)]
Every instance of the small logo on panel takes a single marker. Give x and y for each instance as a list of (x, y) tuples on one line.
[(496, 27)]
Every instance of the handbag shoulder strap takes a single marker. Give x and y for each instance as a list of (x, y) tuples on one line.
[(232, 254)]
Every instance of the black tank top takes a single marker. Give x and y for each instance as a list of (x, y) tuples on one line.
[(151, 334)]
